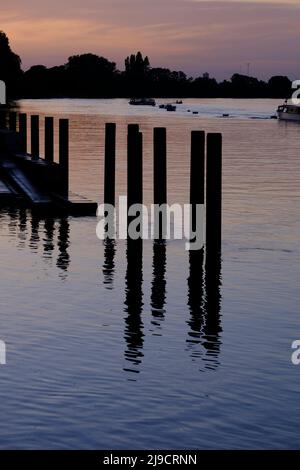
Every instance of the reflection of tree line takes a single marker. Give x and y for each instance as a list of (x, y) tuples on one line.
[(49, 232), (204, 300)]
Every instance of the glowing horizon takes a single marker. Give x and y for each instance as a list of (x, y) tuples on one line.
[(196, 36)]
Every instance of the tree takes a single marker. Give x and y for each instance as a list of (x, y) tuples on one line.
[(35, 82), (10, 67), (136, 76), (243, 86), (89, 75), (204, 87), (136, 66), (279, 87)]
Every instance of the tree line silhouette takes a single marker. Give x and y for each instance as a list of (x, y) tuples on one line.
[(91, 76)]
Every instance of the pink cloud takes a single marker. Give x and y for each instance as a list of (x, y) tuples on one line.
[(193, 35)]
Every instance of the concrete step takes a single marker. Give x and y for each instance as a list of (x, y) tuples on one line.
[(7, 193), (23, 184)]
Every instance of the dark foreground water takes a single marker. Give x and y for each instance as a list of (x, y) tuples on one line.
[(110, 346)]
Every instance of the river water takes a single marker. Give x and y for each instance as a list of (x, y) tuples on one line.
[(109, 347)]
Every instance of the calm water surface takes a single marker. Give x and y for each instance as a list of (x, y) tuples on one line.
[(114, 346)]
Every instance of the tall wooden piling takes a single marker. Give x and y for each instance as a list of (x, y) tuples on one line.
[(3, 115), (110, 164), (197, 176), (160, 165), (49, 139), (35, 137), (133, 164), (23, 131), (134, 167), (64, 156), (12, 121), (160, 180), (139, 169), (214, 192)]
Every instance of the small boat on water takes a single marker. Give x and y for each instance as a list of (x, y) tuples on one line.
[(170, 107), (142, 102), (288, 112), (179, 101)]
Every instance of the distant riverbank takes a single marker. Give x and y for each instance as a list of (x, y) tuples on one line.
[(192, 108)]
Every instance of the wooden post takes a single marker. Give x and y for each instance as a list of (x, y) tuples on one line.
[(12, 121), (134, 166), (110, 164), (160, 165), (139, 169), (35, 137), (2, 119), (214, 192), (160, 178), (64, 155), (49, 139), (23, 131), (197, 170)]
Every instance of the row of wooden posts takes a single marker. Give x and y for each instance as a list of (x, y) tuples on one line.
[(205, 173), (10, 120), (205, 165)]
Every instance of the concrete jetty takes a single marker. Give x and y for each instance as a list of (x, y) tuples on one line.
[(42, 183)]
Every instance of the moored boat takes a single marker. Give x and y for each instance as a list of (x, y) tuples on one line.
[(170, 107), (288, 112), (142, 102)]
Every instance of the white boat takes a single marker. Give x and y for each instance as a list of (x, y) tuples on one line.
[(288, 112)]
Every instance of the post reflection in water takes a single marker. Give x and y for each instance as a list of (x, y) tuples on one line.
[(134, 335), (49, 225), (109, 262), (22, 227), (63, 259), (204, 301), (158, 291), (212, 328), (109, 256), (196, 296), (35, 236), (12, 224), (38, 232), (109, 244)]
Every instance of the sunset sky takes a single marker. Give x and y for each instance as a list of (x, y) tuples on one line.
[(196, 36)]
